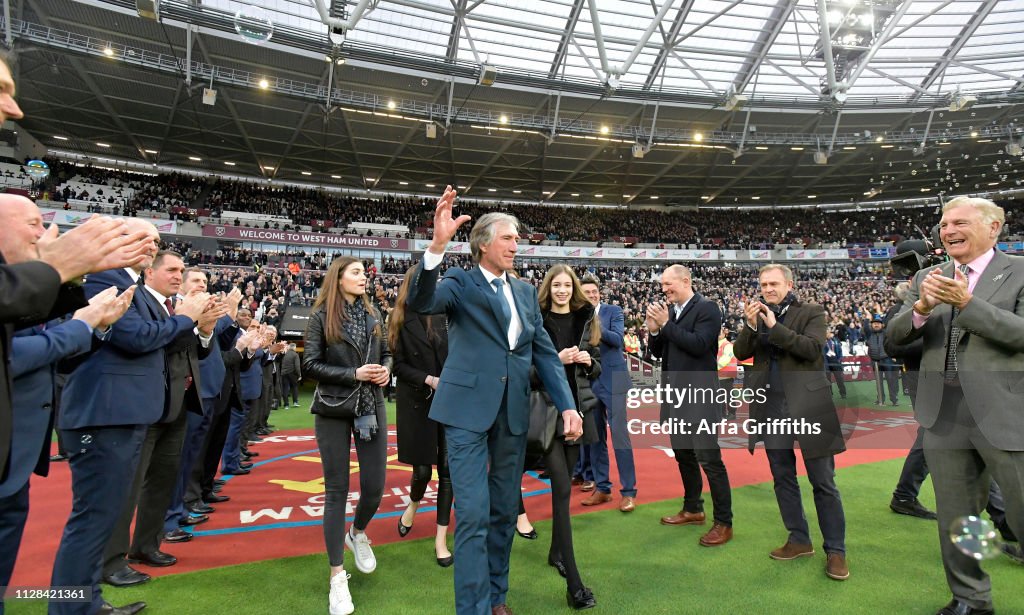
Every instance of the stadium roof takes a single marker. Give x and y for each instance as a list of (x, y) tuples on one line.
[(748, 102)]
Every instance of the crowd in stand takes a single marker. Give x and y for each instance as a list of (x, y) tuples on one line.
[(747, 228)]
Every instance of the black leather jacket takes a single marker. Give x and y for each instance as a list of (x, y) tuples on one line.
[(334, 366)]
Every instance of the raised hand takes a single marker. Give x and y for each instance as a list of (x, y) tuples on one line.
[(445, 226), (752, 312), (232, 300), (105, 308), (98, 244), (208, 320), (193, 305)]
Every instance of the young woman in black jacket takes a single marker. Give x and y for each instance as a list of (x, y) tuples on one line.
[(346, 353), (419, 345), (576, 334)]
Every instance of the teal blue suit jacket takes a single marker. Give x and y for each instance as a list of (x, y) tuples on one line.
[(480, 367)]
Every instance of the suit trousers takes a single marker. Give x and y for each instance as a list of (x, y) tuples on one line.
[(102, 462), (486, 470), (961, 462), (13, 514), (150, 495), (237, 436), (915, 470), (201, 482), (612, 416), (197, 426), (886, 374)]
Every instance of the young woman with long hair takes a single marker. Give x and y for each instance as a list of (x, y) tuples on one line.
[(346, 353), (419, 345), (569, 320)]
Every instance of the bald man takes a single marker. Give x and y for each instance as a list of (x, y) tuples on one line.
[(33, 291), (108, 403)]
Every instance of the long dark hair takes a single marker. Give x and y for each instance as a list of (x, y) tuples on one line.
[(577, 301), (334, 302), (397, 317)]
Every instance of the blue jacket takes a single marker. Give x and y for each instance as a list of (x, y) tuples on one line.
[(211, 369), (480, 368), (613, 363), (835, 346), (123, 380), (252, 377), (35, 352)]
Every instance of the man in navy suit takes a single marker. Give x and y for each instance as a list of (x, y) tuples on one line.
[(495, 335), (610, 388), (108, 403), (252, 389), (157, 470), (212, 371), (35, 352)]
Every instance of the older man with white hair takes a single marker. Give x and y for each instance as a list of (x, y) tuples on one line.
[(969, 314)]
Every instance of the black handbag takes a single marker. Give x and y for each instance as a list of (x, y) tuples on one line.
[(336, 407), (544, 425)]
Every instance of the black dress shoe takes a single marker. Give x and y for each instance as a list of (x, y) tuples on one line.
[(238, 472), (200, 509), (250, 453), (213, 498), (158, 559), (531, 535), (583, 598), (193, 520), (126, 577), (245, 465), (128, 609), (216, 488), (955, 607), (558, 565), (178, 535), (219, 482), (58, 457)]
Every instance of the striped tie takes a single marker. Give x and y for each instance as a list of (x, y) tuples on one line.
[(954, 335)]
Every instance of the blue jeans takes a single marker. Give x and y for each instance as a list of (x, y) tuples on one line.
[(613, 416), (232, 455)]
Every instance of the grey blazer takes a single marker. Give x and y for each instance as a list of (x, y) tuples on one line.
[(990, 351)]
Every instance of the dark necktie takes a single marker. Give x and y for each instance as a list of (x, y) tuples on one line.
[(498, 284), (954, 336), (169, 304)]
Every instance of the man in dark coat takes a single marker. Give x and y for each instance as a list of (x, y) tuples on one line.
[(793, 404)]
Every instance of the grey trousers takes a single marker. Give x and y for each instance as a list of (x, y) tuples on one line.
[(962, 464)]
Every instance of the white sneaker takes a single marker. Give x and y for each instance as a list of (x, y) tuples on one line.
[(359, 544), (295, 405), (340, 599)]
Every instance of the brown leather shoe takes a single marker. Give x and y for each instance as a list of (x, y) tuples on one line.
[(836, 568), (791, 550), (627, 504), (684, 518), (718, 535), (588, 485), (597, 498), (501, 609)]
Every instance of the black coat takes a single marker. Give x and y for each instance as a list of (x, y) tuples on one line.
[(30, 294), (334, 366), (418, 355), (688, 348)]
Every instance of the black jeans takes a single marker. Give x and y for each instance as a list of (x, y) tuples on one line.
[(334, 437), (690, 462)]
